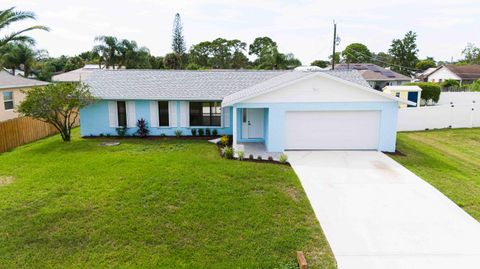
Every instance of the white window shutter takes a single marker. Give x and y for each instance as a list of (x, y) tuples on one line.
[(172, 113), (226, 116), (112, 114), (184, 114), (154, 114), (131, 114)]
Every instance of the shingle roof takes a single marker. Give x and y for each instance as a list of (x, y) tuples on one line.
[(187, 85), (352, 77), (8, 81), (373, 72), (74, 76), (466, 72)]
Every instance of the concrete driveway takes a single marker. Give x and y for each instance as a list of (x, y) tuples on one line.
[(377, 214)]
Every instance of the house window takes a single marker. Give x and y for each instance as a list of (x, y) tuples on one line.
[(205, 114), (163, 113), (122, 113), (8, 100)]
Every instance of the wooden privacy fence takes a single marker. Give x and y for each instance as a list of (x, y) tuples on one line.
[(19, 131)]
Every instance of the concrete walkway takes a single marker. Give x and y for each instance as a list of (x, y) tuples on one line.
[(377, 214)]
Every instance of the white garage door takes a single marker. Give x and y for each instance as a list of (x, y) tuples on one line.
[(332, 130)]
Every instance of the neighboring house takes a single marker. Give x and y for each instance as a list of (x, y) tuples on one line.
[(11, 93), (76, 75), (465, 74), (423, 76), (410, 93), (378, 77), (281, 109)]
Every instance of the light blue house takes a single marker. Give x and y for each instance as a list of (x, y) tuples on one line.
[(282, 110)]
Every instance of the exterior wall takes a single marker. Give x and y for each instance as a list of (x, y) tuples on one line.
[(275, 140), (94, 121), (317, 89), (18, 97), (442, 74)]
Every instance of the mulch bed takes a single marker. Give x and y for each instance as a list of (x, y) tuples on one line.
[(396, 153)]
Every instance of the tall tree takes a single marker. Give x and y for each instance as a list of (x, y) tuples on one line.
[(9, 16), (18, 56), (172, 61), (425, 64), (404, 54), (382, 59), (357, 53), (337, 57), (107, 49), (239, 59), (471, 54), (178, 41)]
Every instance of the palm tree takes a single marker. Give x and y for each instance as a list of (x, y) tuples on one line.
[(107, 49), (9, 16), (16, 55)]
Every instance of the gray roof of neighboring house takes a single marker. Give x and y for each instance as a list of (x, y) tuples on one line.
[(75, 75), (189, 85), (8, 81), (373, 72)]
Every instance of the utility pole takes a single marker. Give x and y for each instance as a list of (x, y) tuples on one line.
[(334, 42)]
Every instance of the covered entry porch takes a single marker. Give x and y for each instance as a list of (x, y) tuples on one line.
[(250, 131)]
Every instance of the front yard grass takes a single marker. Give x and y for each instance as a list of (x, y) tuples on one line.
[(151, 204), (449, 160)]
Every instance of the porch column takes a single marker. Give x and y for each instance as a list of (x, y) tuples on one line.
[(234, 126)]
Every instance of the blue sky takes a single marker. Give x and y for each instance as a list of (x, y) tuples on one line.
[(301, 27)]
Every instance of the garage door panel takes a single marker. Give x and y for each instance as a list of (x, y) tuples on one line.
[(330, 130)]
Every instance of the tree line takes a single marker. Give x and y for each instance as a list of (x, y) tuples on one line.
[(18, 52)]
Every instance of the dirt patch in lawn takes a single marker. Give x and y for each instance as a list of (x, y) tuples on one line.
[(5, 180)]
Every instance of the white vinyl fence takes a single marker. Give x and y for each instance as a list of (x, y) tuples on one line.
[(440, 116), (459, 98)]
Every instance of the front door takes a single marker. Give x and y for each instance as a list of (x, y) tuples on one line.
[(252, 123)]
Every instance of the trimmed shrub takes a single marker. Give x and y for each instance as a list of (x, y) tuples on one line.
[(228, 152), (475, 86), (270, 158), (259, 157), (208, 132), (163, 135), (241, 155), (142, 126), (214, 132), (283, 158), (122, 131), (250, 156), (201, 132), (450, 83), (430, 91), (194, 132), (178, 133)]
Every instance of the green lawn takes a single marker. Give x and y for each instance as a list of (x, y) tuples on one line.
[(151, 203), (449, 160)]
